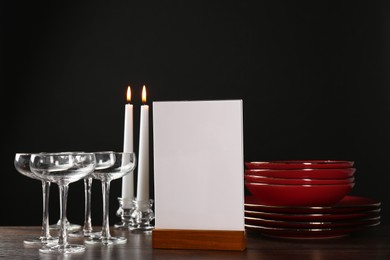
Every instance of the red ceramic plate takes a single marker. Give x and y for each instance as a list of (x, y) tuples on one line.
[(287, 181), (298, 195), (303, 173), (299, 164), (347, 204), (307, 217), (310, 224), (307, 233)]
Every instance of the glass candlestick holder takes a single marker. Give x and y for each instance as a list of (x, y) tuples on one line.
[(124, 212), (142, 215)]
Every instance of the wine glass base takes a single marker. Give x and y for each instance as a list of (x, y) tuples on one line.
[(105, 241), (67, 249), (40, 241), (142, 228), (125, 225), (82, 233), (69, 226)]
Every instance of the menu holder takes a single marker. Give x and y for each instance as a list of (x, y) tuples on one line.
[(198, 175), (198, 239)]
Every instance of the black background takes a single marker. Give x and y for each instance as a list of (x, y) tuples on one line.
[(312, 76)]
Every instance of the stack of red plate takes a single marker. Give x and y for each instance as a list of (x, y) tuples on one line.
[(305, 199), (351, 214), (299, 183)]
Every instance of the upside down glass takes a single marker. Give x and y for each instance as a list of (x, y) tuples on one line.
[(120, 165), (22, 165), (62, 169)]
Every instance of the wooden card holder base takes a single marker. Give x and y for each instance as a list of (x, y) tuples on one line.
[(198, 239)]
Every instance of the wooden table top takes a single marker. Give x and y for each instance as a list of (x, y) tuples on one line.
[(372, 243)]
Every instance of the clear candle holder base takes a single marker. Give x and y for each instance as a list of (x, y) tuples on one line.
[(142, 216), (124, 212)]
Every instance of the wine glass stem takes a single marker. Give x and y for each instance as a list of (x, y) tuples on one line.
[(106, 198), (63, 236), (45, 209), (87, 196)]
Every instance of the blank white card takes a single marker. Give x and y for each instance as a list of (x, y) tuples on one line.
[(198, 165)]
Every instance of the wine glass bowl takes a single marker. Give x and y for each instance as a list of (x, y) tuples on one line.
[(62, 169), (110, 166), (22, 165)]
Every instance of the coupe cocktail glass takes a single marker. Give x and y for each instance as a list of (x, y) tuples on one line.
[(121, 164), (62, 169), (22, 165)]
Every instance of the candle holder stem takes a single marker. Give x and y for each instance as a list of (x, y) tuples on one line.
[(124, 212), (142, 215)]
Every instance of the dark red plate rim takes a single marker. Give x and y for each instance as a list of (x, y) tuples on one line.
[(306, 233), (347, 204), (298, 164), (308, 217), (340, 173), (311, 224)]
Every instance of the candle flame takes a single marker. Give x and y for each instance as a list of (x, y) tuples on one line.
[(144, 94), (128, 94)]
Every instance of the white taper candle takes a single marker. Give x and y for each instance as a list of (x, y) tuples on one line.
[(128, 180), (143, 152)]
